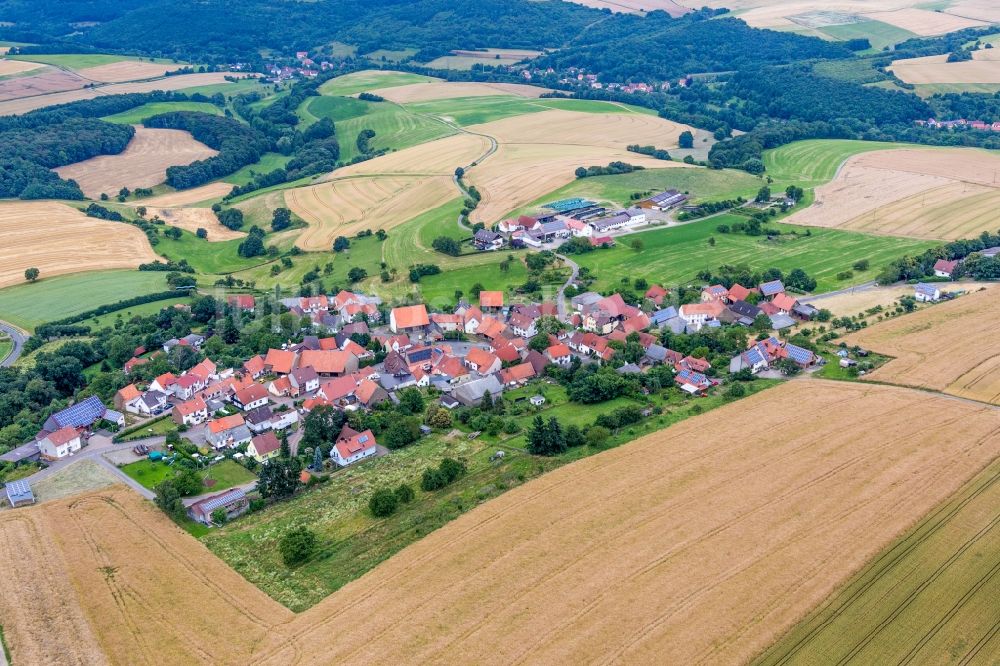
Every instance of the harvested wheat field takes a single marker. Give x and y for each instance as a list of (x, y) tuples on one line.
[(698, 544), (21, 102), (188, 197), (433, 90), (192, 219), (58, 239), (951, 347), (10, 67), (918, 193), (346, 206), (48, 81), (924, 21), (983, 68), (702, 542), (125, 586), (636, 6), (435, 158), (127, 70), (143, 163)]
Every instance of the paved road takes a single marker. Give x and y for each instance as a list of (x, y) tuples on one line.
[(19, 337)]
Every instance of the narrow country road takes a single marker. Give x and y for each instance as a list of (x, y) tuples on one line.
[(19, 337), (561, 296), (865, 286)]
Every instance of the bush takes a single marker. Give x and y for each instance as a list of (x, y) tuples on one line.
[(383, 503), (297, 546), (432, 479), (404, 493)]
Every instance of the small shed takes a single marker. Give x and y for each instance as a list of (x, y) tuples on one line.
[(19, 493), (537, 400)]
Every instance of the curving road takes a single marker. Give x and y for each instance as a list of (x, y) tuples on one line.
[(19, 337)]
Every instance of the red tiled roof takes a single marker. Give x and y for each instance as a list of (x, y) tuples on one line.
[(507, 353), (517, 373), (128, 393), (338, 388), (280, 360), (738, 292), (191, 406), (491, 299), (365, 391), (251, 393), (784, 302), (254, 365), (557, 351), (266, 443), (410, 316), (480, 358), (325, 362), (350, 442), (216, 426), (242, 301), (63, 435)]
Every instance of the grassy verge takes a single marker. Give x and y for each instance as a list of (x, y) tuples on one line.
[(353, 541)]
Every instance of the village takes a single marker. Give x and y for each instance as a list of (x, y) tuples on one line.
[(360, 355)]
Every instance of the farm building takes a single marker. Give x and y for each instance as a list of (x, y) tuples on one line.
[(487, 240), (234, 502), (926, 293), (83, 414), (352, 446), (471, 393), (664, 200), (19, 493), (613, 223)]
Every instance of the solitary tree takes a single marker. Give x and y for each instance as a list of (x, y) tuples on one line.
[(686, 139), (297, 546), (31, 274)]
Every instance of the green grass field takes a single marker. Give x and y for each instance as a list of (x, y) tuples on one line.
[(815, 161), (336, 109), (230, 88), (855, 70), (225, 474), (878, 33), (143, 310), (54, 298), (930, 598), (140, 113), (465, 111), (6, 346), (356, 82), (82, 60), (267, 163), (352, 541), (928, 89), (673, 256), (395, 128), (700, 183), (364, 253), (205, 257)]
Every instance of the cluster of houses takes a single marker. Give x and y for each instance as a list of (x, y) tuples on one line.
[(575, 218), (719, 305), (249, 405), (307, 68), (577, 76), (960, 123)]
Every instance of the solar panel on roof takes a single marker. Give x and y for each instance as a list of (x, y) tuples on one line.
[(362, 439), (798, 354), (81, 414)]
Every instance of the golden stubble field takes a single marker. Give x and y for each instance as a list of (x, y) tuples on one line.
[(189, 197), (700, 543), (535, 154), (192, 219), (58, 239), (637, 6), (952, 347), (942, 194), (127, 70), (983, 68), (143, 163), (34, 92), (11, 67)]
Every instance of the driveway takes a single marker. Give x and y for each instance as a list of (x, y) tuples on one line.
[(561, 296), (19, 337)]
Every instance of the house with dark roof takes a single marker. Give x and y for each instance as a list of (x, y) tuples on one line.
[(471, 393), (83, 414), (663, 200), (772, 288), (233, 502), (486, 240)]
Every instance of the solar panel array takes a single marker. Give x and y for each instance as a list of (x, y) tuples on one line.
[(772, 287), (82, 413), (223, 500), (798, 354)]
